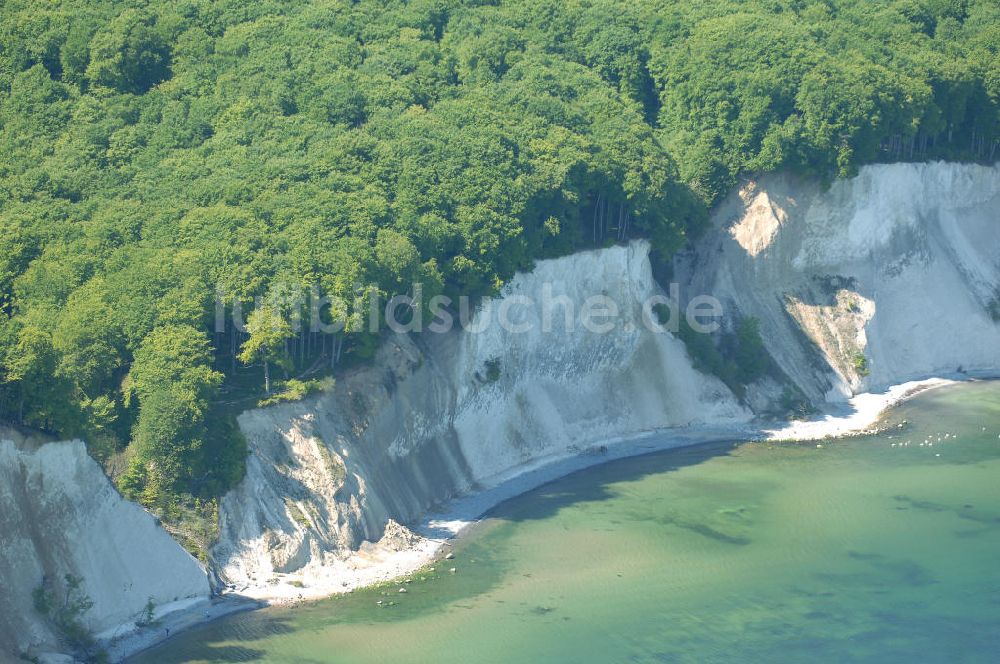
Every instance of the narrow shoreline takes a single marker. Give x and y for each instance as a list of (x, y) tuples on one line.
[(200, 612), (437, 531)]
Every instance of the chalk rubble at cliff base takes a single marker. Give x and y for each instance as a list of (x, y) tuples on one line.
[(896, 266), (876, 282)]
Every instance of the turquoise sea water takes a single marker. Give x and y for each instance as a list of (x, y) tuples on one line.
[(860, 550)]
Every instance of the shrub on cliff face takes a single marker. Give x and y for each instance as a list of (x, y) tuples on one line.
[(794, 404), (701, 348), (295, 389), (148, 614), (752, 359), (860, 363), (738, 358), (64, 605), (151, 152)]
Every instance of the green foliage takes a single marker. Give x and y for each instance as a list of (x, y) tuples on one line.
[(751, 357), (795, 404), (738, 358), (153, 154), (294, 389), (64, 605), (705, 355), (823, 86), (167, 439), (193, 522), (860, 363), (297, 515), (269, 332), (129, 55), (175, 440), (148, 614), (173, 355), (334, 465)]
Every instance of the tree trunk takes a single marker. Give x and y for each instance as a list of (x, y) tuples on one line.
[(597, 209)]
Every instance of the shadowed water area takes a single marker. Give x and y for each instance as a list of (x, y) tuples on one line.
[(873, 549)]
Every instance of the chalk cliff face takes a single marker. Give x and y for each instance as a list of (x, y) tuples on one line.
[(59, 514), (884, 278), (890, 276), (439, 415)]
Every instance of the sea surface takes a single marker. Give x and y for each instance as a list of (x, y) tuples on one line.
[(876, 549)]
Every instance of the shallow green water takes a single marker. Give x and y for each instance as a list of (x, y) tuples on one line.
[(856, 551)]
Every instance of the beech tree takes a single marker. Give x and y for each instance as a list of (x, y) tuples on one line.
[(269, 333), (153, 156), (130, 55)]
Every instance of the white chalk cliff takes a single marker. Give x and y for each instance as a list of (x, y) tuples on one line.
[(427, 421), (890, 276), (59, 515), (899, 266)]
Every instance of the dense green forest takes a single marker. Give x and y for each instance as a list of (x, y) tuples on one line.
[(154, 154)]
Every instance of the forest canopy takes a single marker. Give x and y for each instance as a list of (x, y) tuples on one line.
[(154, 154)]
